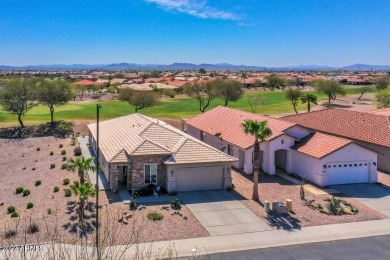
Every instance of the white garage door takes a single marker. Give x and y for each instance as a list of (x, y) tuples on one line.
[(347, 172), (206, 178)]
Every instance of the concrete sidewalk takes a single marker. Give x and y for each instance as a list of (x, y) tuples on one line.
[(265, 239), (86, 151)]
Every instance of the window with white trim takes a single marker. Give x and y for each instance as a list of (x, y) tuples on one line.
[(150, 171)]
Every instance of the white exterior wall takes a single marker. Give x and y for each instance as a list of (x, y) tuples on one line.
[(171, 173), (353, 153), (217, 143), (307, 167), (271, 147), (298, 131)]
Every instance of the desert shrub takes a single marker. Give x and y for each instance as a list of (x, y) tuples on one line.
[(155, 216), (38, 149), (19, 190), (10, 234), (66, 181), (30, 205), (56, 189), (33, 228), (52, 166), (38, 182), (63, 152), (11, 209), (175, 204), (77, 151), (67, 192), (51, 153), (64, 166), (60, 146), (64, 158), (76, 183), (26, 192), (49, 211), (14, 214), (319, 206)]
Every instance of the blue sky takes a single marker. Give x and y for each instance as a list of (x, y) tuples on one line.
[(250, 32)]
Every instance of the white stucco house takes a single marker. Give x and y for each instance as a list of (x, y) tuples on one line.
[(137, 151), (320, 158)]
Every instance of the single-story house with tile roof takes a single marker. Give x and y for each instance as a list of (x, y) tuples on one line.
[(320, 158), (136, 150), (366, 129)]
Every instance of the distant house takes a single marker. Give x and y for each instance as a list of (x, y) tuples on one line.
[(137, 151), (320, 158)]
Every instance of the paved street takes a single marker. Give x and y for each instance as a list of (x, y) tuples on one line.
[(371, 195), (373, 248), (221, 214)]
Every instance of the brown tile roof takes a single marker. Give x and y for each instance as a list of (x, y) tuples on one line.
[(137, 134), (319, 145), (368, 127), (227, 121)]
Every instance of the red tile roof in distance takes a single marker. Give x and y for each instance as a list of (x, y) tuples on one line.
[(319, 145), (86, 82), (355, 125), (227, 121)]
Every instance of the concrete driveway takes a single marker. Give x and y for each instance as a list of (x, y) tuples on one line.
[(221, 214), (371, 195)]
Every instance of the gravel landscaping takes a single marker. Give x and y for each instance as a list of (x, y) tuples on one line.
[(384, 178), (25, 161), (275, 188)]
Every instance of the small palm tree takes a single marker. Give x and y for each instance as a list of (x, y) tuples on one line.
[(83, 191), (244, 76), (308, 98), (81, 165), (260, 131)]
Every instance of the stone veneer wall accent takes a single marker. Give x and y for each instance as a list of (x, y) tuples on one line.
[(136, 178)]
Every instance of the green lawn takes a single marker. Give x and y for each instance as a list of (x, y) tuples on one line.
[(176, 108)]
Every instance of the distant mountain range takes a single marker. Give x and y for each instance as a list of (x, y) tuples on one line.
[(191, 66)]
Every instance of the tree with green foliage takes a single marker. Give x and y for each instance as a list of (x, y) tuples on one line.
[(139, 99), (202, 71), (260, 131), (293, 96), (112, 90), (274, 81), (18, 96), (382, 83), (382, 99), (363, 90), (203, 92), (330, 88), (296, 81), (228, 90), (169, 93), (308, 98), (83, 192), (254, 101), (81, 165), (53, 94)]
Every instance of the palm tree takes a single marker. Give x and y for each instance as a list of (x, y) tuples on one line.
[(244, 76), (260, 131), (83, 191), (308, 98), (81, 165)]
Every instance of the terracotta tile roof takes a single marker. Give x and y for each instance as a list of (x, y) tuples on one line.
[(227, 121), (319, 145), (137, 134), (368, 127), (86, 82)]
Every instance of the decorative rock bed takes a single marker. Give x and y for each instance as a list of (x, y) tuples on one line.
[(334, 206)]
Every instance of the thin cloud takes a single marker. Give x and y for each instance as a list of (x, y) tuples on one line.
[(195, 8), (246, 24)]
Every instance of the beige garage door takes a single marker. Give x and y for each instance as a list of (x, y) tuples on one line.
[(206, 178)]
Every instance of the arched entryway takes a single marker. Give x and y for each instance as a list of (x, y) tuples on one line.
[(281, 159)]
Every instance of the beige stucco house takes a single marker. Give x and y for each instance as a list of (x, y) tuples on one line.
[(137, 150)]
